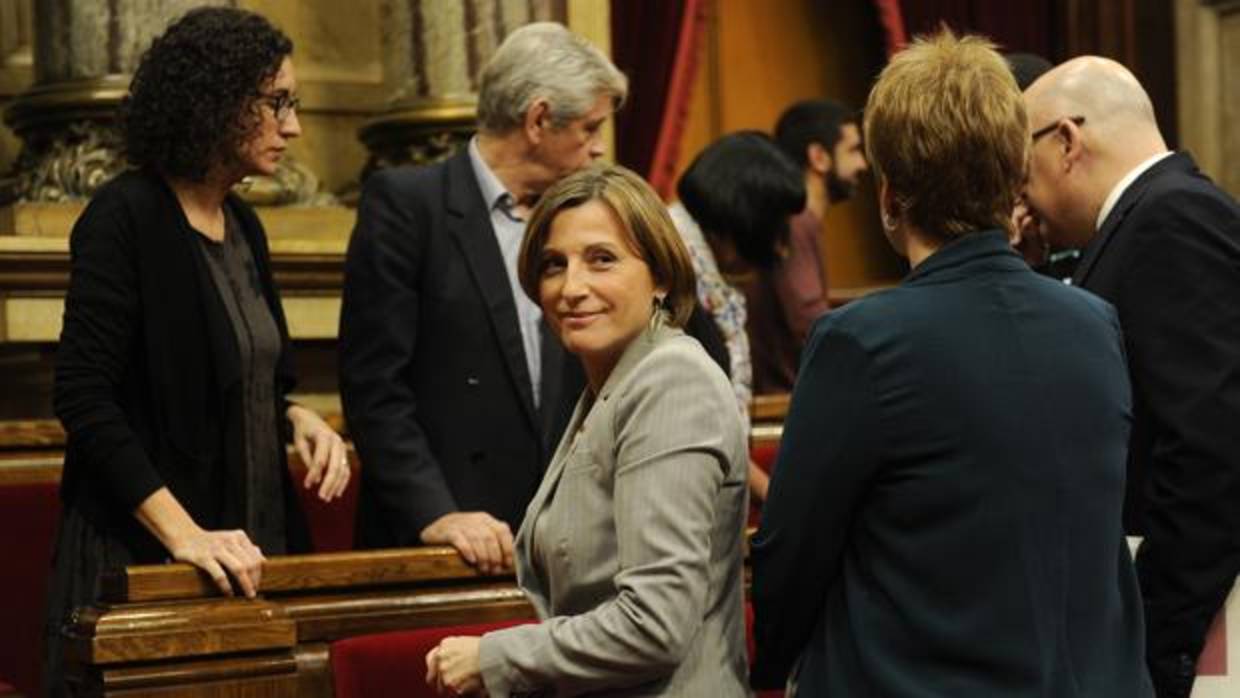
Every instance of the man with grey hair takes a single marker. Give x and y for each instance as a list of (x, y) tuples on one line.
[(454, 391), (1162, 243)]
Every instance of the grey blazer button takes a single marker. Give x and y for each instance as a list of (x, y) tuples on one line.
[(473, 382)]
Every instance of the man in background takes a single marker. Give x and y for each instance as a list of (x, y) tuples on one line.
[(824, 139), (1162, 244), (454, 390)]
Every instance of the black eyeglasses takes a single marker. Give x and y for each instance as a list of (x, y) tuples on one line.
[(1078, 120), (282, 104)]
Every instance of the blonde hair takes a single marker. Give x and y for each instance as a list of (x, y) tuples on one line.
[(945, 126), (647, 225)]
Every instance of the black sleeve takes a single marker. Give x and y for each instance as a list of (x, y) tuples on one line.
[(378, 341), (701, 326), (827, 456), (98, 341), (1181, 313)]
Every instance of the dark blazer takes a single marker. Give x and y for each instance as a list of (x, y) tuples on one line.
[(944, 516), (148, 379), (1168, 258), (432, 369)]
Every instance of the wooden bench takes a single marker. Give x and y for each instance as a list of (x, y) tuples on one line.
[(164, 628)]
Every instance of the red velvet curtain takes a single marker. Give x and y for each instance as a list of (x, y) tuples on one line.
[(656, 44), (1016, 25)]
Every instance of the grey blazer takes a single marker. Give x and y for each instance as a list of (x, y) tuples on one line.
[(631, 549)]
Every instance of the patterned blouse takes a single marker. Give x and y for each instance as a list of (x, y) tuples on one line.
[(724, 302)]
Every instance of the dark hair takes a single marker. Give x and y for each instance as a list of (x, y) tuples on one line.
[(1026, 67), (743, 188), (192, 100), (812, 121)]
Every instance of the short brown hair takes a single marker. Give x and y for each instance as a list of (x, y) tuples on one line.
[(945, 126), (646, 223)]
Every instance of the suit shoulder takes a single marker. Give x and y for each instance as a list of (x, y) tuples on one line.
[(405, 181), (678, 360), (862, 316), (1074, 299), (118, 204), (1187, 196)]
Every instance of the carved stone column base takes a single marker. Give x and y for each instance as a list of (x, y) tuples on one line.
[(417, 133), (70, 145), (293, 183)]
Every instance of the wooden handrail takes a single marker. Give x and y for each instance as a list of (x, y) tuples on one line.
[(29, 434), (769, 408), (297, 573)]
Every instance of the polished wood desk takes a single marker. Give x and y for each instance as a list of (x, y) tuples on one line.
[(164, 629)]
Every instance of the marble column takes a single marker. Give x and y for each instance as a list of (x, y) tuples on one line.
[(434, 52), (85, 53)]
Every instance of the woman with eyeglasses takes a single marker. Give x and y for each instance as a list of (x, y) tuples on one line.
[(174, 366)]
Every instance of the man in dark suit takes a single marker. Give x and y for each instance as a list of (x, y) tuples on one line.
[(1162, 243), (454, 391), (944, 516)]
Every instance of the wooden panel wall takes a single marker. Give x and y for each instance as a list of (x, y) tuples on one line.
[(760, 58)]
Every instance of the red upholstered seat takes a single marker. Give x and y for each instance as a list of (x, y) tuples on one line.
[(331, 523), (7, 690), (28, 515), (394, 664), (763, 453)]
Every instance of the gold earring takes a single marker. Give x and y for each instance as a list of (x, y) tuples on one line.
[(657, 313)]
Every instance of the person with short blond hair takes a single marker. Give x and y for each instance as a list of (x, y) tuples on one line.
[(953, 157), (631, 551), (944, 515)]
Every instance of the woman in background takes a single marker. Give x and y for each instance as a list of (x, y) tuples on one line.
[(631, 549), (736, 199), (173, 368)]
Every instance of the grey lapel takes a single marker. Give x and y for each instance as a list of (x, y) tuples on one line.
[(633, 354)]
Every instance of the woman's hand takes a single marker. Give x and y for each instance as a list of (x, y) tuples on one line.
[(216, 551), (452, 667), (211, 551), (322, 450)]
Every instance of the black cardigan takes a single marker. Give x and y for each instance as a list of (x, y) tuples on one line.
[(147, 371)]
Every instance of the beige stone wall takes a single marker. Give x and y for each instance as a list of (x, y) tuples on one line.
[(1208, 86), (16, 63), (343, 78)]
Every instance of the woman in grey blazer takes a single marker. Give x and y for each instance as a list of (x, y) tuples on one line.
[(631, 548)]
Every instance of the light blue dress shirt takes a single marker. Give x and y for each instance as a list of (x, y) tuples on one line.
[(509, 229)]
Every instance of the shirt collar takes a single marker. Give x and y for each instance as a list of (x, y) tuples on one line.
[(493, 191), (1122, 185)]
